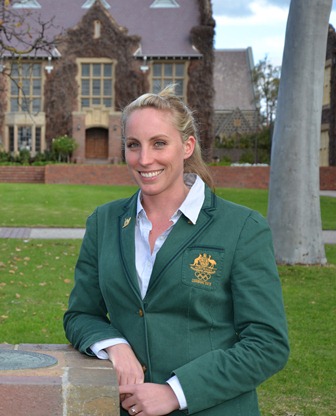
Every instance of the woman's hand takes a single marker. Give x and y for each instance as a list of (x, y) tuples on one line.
[(148, 399), (126, 365)]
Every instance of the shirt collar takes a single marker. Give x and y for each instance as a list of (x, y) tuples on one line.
[(191, 206)]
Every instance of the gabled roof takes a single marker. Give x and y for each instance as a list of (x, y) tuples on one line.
[(164, 31), (233, 80)]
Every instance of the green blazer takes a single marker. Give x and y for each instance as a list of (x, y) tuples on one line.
[(213, 314)]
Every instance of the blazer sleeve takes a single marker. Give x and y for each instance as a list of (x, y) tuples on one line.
[(259, 318), (85, 321)]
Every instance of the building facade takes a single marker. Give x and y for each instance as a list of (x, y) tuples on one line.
[(236, 110), (102, 54), (328, 125)]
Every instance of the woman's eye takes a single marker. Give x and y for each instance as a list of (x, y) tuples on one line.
[(160, 144), (132, 145)]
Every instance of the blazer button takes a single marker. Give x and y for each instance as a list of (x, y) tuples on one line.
[(141, 313)]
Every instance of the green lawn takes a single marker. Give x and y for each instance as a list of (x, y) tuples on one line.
[(31, 205)]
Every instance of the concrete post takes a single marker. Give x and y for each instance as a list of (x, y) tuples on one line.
[(294, 206)]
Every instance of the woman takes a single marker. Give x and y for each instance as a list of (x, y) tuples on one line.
[(176, 286)]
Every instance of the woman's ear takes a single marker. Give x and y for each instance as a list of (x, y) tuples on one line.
[(189, 146)]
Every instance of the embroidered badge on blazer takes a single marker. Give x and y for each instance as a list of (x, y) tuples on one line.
[(126, 222), (204, 268)]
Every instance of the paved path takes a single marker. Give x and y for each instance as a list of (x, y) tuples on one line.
[(329, 237), (43, 233)]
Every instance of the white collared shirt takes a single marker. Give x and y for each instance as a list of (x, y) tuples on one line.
[(190, 208), (145, 259)]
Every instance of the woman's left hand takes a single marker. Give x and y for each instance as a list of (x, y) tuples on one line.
[(148, 399)]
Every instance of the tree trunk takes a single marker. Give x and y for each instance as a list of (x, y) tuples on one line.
[(294, 205)]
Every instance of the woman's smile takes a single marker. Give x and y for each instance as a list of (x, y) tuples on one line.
[(151, 174)]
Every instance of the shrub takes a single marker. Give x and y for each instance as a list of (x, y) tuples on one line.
[(63, 146)]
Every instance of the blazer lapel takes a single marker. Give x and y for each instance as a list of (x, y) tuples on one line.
[(127, 243)]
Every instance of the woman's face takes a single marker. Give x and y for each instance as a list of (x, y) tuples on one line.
[(155, 152)]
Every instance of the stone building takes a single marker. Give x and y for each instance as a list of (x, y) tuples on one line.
[(105, 54), (328, 128), (235, 105)]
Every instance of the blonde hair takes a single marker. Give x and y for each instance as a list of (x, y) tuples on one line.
[(184, 121)]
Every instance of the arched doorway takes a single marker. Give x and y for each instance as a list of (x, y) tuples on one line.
[(96, 143)]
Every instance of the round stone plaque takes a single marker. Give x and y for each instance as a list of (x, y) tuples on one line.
[(21, 360)]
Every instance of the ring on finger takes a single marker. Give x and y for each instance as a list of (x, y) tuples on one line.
[(133, 411)]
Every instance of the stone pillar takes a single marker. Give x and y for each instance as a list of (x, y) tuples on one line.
[(78, 133), (115, 143), (294, 205), (73, 384)]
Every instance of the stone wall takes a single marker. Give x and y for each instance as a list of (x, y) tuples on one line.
[(256, 177)]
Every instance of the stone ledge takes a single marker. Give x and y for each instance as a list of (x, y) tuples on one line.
[(77, 385)]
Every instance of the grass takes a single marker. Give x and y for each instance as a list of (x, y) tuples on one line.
[(36, 277), (306, 387), (31, 205)]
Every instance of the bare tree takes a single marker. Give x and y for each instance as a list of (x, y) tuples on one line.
[(22, 32), (294, 205)]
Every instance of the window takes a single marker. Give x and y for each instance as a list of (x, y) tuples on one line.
[(96, 84), (38, 147), (90, 3), (26, 87), (169, 73), (26, 4), (164, 4), (25, 138), (11, 139), (97, 29)]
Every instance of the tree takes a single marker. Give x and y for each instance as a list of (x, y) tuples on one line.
[(22, 32), (266, 79), (294, 205)]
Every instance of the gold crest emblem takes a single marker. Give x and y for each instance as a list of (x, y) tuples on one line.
[(126, 222), (204, 267)]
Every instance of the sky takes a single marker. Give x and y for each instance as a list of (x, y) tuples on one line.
[(260, 24)]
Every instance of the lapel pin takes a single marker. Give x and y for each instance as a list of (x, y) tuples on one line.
[(126, 222)]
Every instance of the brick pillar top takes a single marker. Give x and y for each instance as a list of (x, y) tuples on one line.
[(76, 385)]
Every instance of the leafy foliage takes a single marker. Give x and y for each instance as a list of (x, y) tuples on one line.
[(63, 146), (256, 146), (266, 80)]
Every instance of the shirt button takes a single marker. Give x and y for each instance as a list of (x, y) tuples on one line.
[(141, 313)]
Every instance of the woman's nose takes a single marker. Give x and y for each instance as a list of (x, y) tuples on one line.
[(145, 156)]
